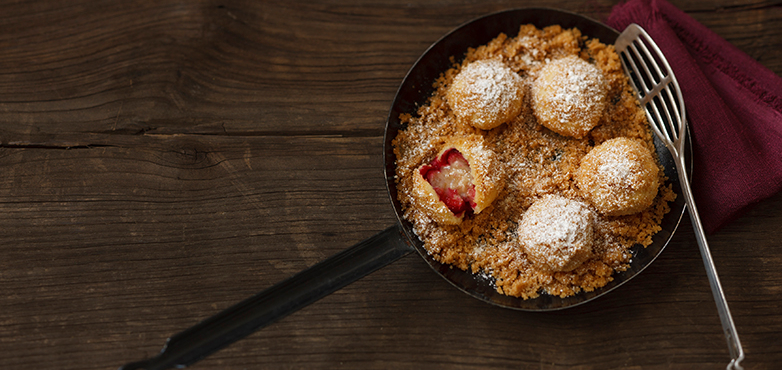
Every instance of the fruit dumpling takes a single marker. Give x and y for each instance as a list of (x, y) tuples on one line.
[(464, 178), (557, 233), (486, 93), (619, 177), (569, 96)]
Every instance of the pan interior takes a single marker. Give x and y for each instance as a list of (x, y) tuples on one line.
[(417, 87)]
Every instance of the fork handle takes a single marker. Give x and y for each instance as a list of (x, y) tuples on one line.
[(728, 327)]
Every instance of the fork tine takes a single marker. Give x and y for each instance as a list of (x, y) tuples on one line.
[(677, 98), (660, 74), (671, 105), (667, 122), (651, 48), (653, 113), (632, 58), (629, 61), (670, 91), (643, 59), (664, 78), (640, 69), (652, 79)]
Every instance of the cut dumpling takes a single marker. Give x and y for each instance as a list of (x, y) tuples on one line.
[(463, 178), (486, 93), (569, 96)]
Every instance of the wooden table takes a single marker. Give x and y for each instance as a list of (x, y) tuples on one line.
[(162, 160)]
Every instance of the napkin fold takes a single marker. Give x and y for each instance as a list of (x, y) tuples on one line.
[(733, 105)]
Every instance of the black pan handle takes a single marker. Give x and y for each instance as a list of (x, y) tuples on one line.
[(272, 304)]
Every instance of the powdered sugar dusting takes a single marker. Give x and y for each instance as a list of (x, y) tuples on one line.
[(487, 93), (616, 167), (557, 233), (619, 177), (569, 96)]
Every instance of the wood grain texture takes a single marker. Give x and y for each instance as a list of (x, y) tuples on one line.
[(162, 160)]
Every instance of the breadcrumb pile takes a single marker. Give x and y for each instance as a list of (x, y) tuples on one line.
[(536, 162)]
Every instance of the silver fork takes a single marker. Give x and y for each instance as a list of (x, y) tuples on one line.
[(659, 94)]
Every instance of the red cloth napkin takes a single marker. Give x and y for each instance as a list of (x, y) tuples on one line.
[(734, 110)]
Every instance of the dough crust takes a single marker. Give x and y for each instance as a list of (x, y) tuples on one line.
[(569, 96), (557, 233), (486, 93), (619, 177)]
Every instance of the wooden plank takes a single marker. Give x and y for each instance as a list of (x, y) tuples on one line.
[(160, 161)]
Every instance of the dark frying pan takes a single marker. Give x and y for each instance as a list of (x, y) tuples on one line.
[(391, 244)]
